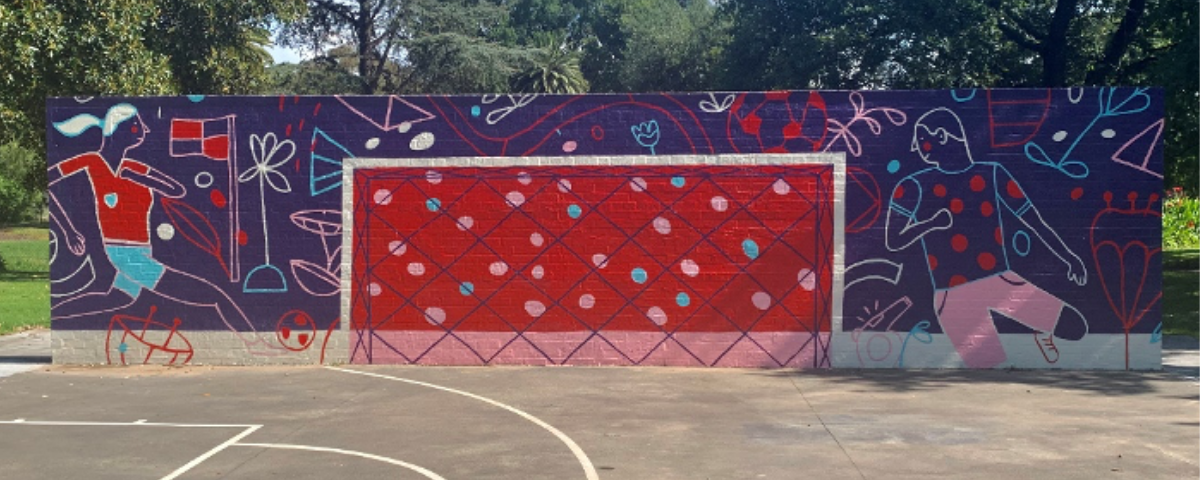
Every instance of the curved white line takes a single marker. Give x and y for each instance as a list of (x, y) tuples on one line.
[(588, 469), (87, 263), (416, 468)]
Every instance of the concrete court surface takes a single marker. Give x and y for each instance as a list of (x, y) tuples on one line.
[(620, 423)]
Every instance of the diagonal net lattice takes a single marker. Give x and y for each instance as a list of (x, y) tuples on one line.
[(709, 262)]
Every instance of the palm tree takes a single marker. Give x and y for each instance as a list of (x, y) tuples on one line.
[(553, 69)]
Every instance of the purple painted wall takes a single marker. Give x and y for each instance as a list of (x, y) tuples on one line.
[(982, 228)]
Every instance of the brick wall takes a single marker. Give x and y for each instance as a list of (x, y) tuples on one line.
[(966, 228)]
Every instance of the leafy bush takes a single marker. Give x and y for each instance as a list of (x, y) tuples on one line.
[(20, 195), (1181, 221)]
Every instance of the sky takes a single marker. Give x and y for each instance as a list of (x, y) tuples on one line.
[(284, 55)]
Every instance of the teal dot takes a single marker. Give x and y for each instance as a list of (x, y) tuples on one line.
[(678, 182), (683, 299), (475, 111), (750, 248), (893, 166), (638, 275), (466, 289), (574, 211), (123, 347), (433, 204)]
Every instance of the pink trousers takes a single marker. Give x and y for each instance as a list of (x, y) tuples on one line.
[(965, 314)]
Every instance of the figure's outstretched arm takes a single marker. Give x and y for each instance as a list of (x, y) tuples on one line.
[(154, 180), (58, 215), (910, 230), (1013, 197), (903, 227), (1076, 271)]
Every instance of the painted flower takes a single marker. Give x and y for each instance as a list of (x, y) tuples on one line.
[(646, 134), (269, 153)]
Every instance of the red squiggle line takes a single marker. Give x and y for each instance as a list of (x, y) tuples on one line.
[(328, 333), (443, 115), (704, 132)]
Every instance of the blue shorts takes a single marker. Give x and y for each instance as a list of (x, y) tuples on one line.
[(136, 269)]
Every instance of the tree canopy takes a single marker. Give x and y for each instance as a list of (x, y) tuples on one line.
[(479, 46)]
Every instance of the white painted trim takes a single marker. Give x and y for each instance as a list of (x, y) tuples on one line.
[(838, 160)]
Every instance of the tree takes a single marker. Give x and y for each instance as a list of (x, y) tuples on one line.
[(218, 46), (318, 76), (71, 48), (649, 45), (119, 47), (412, 45), (809, 44), (458, 46), (1063, 34), (554, 68), (1168, 54)]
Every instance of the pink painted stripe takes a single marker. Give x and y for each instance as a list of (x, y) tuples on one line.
[(758, 350)]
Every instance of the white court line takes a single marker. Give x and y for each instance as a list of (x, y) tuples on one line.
[(139, 423), (588, 469), (142, 423), (215, 450), (416, 468)]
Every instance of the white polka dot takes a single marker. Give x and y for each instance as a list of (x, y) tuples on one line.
[(498, 268), (204, 180), (657, 315), (807, 279), (1060, 135), (538, 272), (536, 239), (535, 308), (1108, 133), (433, 177), (689, 267), (515, 198), (564, 185), (416, 269), (422, 141), (662, 225), (383, 197), (525, 178), (435, 315), (761, 300), (587, 301), (397, 248), (465, 223), (372, 143), (781, 187), (569, 146), (600, 260), (165, 231), (719, 203), (374, 289), (404, 127), (638, 184)]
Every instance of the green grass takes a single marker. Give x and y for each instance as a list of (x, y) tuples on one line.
[(24, 279), (1181, 292)]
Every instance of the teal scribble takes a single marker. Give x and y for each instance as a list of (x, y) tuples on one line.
[(647, 134), (1156, 335), (918, 331), (1108, 108)]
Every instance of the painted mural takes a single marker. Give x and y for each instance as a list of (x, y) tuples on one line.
[(958, 228)]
